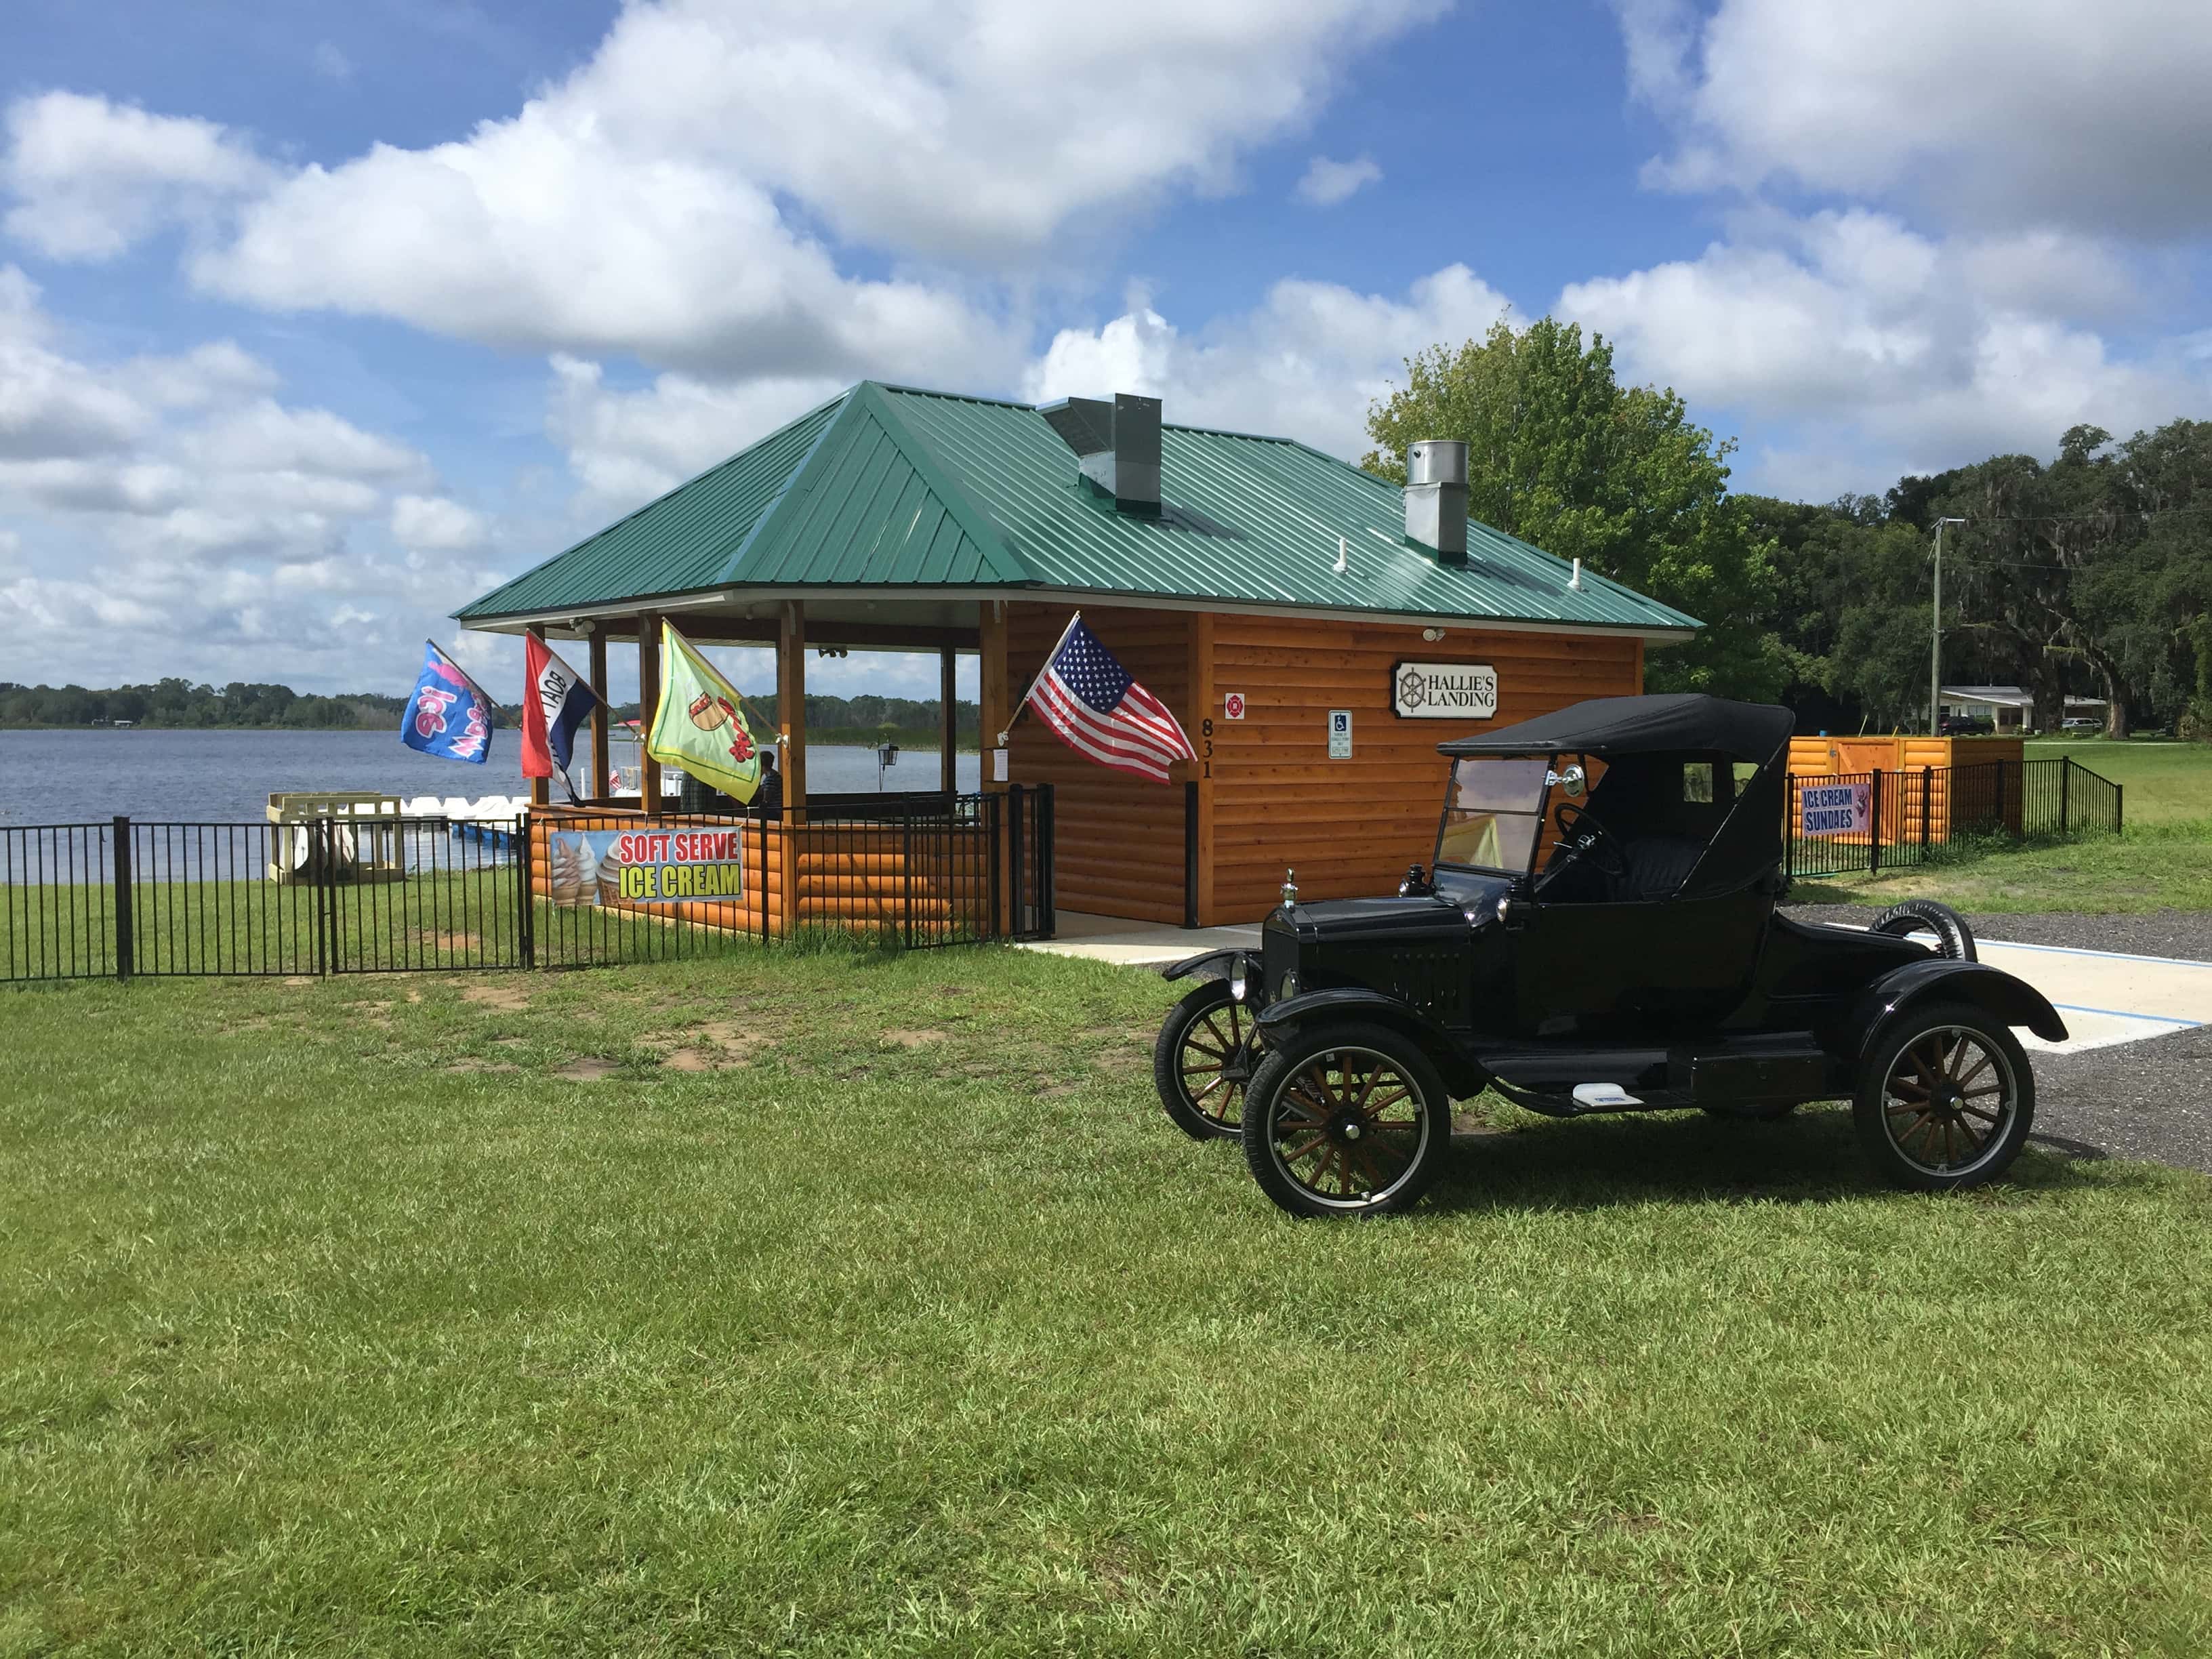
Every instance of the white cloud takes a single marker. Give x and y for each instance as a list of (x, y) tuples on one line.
[(1305, 363), (662, 200), (1997, 113), (1900, 352), (176, 496), (1326, 183), (90, 177), (433, 524), (626, 446)]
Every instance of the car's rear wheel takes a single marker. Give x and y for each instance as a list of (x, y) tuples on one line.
[(1946, 1100), (1200, 1061), (1345, 1121)]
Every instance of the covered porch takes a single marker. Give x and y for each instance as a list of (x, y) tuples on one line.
[(924, 865)]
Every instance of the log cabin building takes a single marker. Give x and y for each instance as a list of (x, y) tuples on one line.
[(1317, 629)]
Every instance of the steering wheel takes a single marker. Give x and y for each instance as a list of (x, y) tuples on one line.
[(1586, 838)]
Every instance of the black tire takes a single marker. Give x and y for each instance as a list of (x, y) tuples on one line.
[(1204, 1035), (1946, 1099), (1953, 939), (1345, 1121)]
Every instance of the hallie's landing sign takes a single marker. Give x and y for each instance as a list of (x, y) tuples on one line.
[(1444, 691)]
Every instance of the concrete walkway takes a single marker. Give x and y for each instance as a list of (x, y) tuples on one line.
[(2106, 997)]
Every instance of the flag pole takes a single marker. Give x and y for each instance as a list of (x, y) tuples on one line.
[(1025, 703), (491, 701)]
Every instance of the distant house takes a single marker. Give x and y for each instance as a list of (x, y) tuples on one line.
[(2009, 710)]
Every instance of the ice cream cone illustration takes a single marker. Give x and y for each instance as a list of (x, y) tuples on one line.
[(610, 869)]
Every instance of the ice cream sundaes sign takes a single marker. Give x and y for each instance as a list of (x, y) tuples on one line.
[(645, 867)]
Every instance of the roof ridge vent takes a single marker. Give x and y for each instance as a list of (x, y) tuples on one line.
[(1436, 498), (1117, 445)]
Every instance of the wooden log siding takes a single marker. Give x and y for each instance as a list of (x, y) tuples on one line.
[(1117, 839), (1909, 760), (1351, 826), (849, 875)]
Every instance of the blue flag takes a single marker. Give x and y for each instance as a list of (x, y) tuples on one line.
[(447, 716)]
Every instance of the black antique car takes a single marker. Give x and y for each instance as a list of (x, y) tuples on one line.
[(1598, 934)]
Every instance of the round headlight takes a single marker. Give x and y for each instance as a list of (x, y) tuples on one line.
[(1289, 988), (1237, 985)]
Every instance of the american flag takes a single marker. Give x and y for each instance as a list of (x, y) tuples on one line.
[(1101, 712)]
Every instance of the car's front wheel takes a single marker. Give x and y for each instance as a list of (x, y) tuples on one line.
[(1201, 1059), (1345, 1121), (1945, 1100)]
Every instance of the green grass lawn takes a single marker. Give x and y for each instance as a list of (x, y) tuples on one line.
[(2166, 781), (2152, 867), (856, 1305)]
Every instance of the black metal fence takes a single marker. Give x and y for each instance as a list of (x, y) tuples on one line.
[(390, 894), (1864, 822)]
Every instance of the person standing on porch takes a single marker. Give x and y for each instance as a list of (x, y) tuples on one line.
[(768, 799)]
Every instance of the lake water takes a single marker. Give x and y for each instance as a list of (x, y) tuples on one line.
[(227, 777)]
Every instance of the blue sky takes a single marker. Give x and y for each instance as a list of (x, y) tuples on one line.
[(316, 321)]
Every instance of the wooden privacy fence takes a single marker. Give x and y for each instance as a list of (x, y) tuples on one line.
[(1843, 823), (555, 888)]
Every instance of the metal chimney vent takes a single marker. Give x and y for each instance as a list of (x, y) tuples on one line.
[(1117, 445), (1436, 498)]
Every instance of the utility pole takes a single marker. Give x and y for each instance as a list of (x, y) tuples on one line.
[(1935, 639)]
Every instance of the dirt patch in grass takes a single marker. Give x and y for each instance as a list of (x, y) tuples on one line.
[(589, 1069), (510, 998), (690, 1059), (438, 941), (913, 1039)]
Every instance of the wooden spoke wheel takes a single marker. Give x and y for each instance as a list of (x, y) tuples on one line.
[(1345, 1121), (1202, 1059), (1946, 1100)]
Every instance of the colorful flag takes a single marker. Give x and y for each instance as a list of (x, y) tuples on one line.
[(1100, 711), (447, 716), (555, 701), (698, 726)]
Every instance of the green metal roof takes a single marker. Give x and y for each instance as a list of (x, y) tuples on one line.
[(891, 487)]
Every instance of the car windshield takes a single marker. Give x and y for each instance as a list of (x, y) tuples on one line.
[(1493, 812)]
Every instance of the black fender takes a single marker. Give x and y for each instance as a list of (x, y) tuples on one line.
[(2012, 1000), (1463, 1078), (1213, 965)]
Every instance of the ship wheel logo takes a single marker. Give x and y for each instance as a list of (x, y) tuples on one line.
[(1413, 688)]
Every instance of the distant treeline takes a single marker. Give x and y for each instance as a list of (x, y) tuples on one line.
[(859, 720), (238, 705), (175, 702)]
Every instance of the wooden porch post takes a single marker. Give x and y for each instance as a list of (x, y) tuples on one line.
[(951, 723), (791, 704), (991, 641), (602, 738), (992, 695), (541, 789), (791, 717), (648, 705)]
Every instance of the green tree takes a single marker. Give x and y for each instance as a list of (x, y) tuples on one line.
[(1562, 456)]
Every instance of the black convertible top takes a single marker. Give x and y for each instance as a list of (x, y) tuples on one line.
[(1754, 732)]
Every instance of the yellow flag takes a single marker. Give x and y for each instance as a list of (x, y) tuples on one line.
[(699, 727)]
